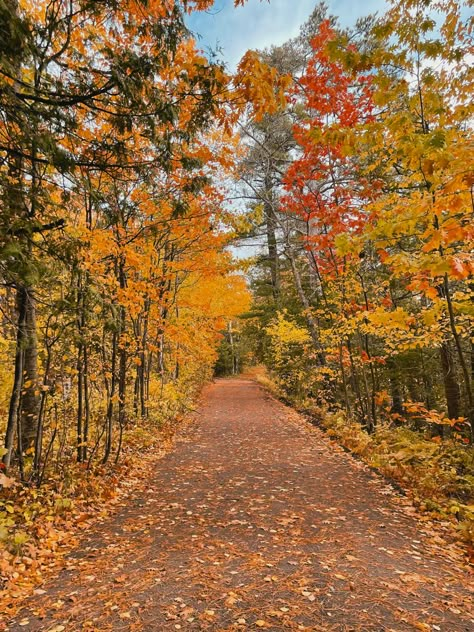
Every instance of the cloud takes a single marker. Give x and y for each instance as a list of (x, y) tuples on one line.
[(258, 24)]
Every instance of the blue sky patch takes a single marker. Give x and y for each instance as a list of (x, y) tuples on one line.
[(258, 25)]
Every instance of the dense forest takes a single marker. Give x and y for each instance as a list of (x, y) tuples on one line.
[(130, 162), (363, 192), (115, 280)]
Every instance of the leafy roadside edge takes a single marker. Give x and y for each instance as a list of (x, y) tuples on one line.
[(442, 518), (86, 512)]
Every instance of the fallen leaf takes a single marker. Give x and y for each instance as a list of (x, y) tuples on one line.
[(120, 579), (352, 558), (6, 482), (125, 615)]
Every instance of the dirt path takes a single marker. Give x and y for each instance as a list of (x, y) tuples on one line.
[(257, 521)]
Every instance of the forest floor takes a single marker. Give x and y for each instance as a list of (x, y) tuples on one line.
[(257, 520)]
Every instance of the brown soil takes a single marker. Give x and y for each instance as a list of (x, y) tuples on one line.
[(254, 521)]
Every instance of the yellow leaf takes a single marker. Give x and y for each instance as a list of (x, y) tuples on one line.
[(125, 615)]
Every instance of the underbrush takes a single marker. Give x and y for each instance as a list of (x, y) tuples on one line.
[(437, 474)]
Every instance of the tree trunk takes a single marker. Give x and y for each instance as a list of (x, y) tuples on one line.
[(459, 349), (87, 414), (122, 354), (143, 362), (14, 406), (395, 390), (312, 325), (344, 379), (80, 393), (232, 348), (109, 423), (451, 385), (30, 395), (271, 224), (355, 382)]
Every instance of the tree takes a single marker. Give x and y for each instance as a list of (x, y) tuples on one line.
[(378, 201), (106, 139)]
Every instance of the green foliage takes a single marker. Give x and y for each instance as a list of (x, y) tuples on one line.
[(289, 349), (225, 364)]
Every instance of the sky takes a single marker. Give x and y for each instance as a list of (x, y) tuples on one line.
[(260, 24)]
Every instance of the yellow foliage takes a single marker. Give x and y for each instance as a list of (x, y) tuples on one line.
[(286, 332)]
